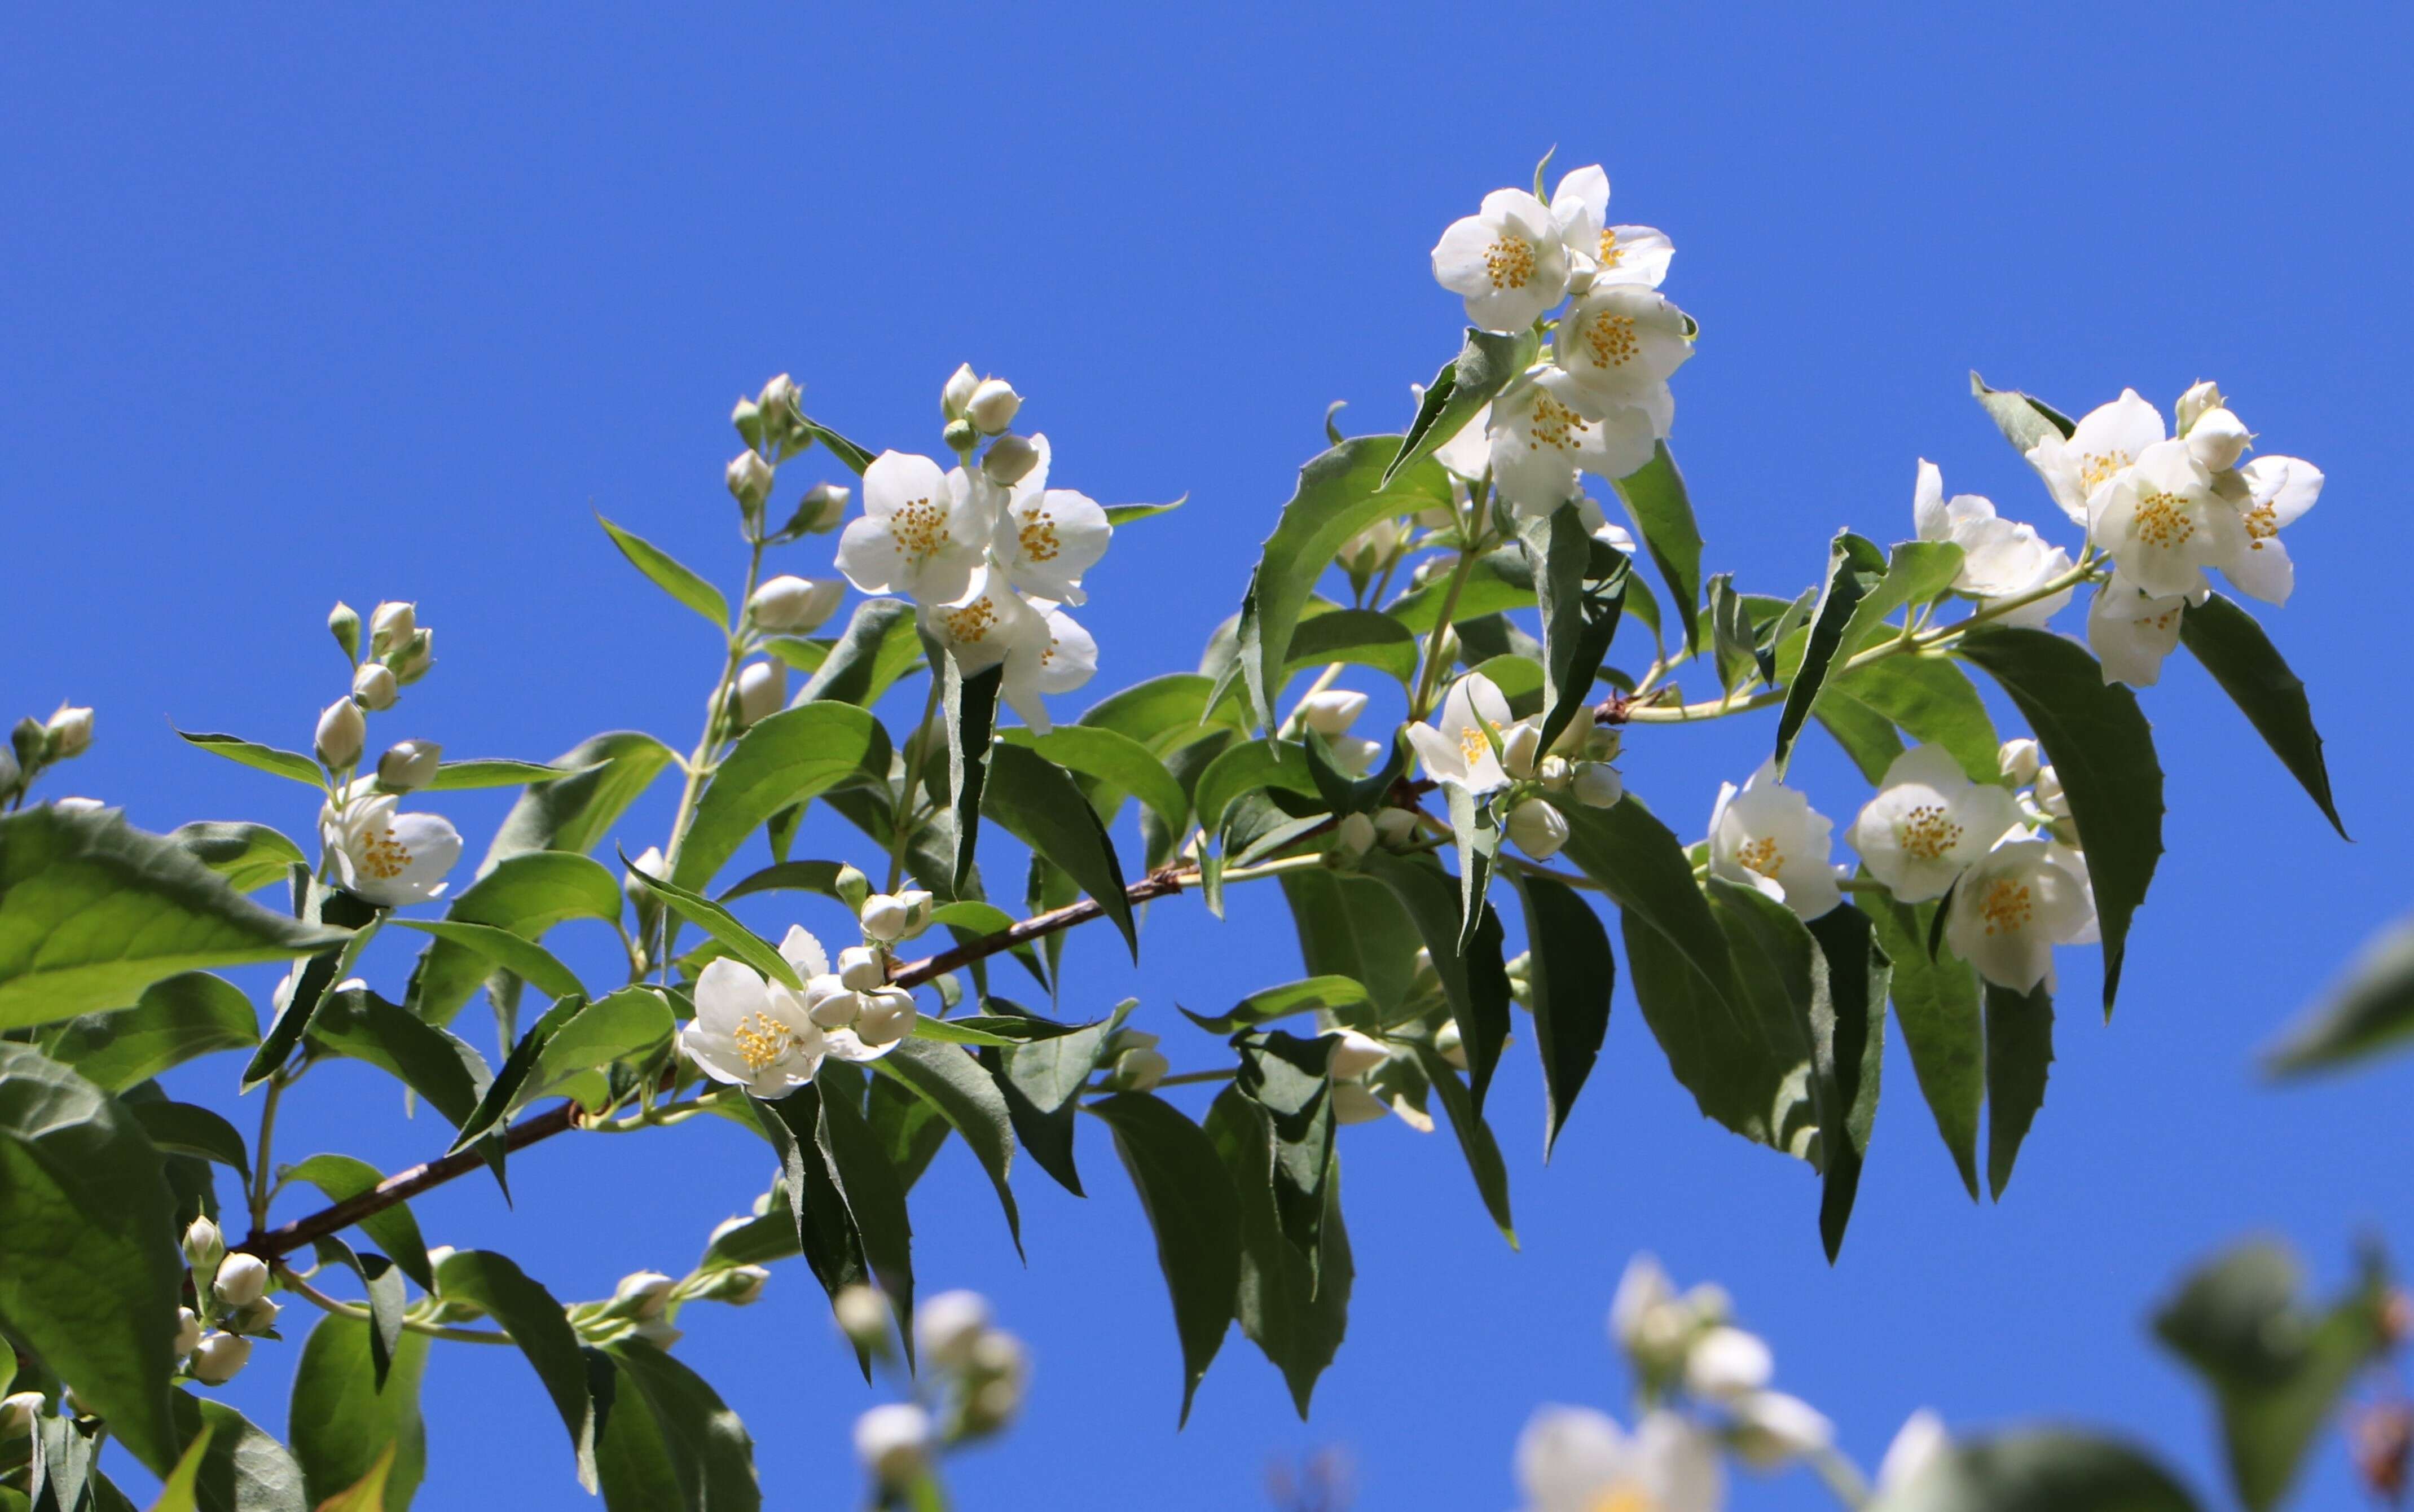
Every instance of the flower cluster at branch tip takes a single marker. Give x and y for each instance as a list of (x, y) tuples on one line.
[(213, 1344), (379, 853), (758, 1033), (1600, 403), (1477, 745), (36, 744), (971, 1380), (987, 551)]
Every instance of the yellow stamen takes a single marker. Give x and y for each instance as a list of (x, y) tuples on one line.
[(919, 528), (2006, 907), (1763, 856), (1510, 261), (1928, 832)]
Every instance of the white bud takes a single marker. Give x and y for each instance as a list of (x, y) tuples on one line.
[(409, 766), (188, 1332), (1643, 1289), (240, 1281), (918, 909), (1366, 552), (413, 660), (823, 508), (1354, 835), (1123, 1040), (947, 1326), (390, 627), (204, 1244), (958, 392), (68, 733), (724, 1229), (1008, 460), (1773, 1428), (649, 863), (1726, 1362), (1139, 1069), (2050, 801), (859, 968), (342, 732), (19, 1411), (1451, 1044), (1537, 828), (741, 1286), (1521, 747), (1554, 773), (1352, 756), (762, 688), (884, 917), (2020, 759), (660, 1332), (893, 1441), (1396, 827), (747, 416), (749, 478), (642, 1295), (2199, 401), (437, 1254), (1353, 1104), (831, 1003), (1916, 1443), (780, 396), (255, 1317), (862, 1315), (220, 1359), (888, 1017), (1332, 711), (374, 687), (78, 805), (1354, 1055), (1597, 784), (2218, 439), (992, 406), (788, 605)]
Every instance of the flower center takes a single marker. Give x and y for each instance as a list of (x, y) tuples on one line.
[(762, 1039), (971, 623), (1611, 253), (2094, 467), (2006, 907), (1928, 832), (1472, 746), (1761, 856), (2262, 523), (1621, 1496), (1510, 261), (383, 856), (1611, 339), (1039, 536), (919, 528), (2163, 519), (1555, 426)]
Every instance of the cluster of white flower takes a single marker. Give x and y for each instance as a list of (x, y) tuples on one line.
[(2018, 884), (988, 552), (386, 857), (233, 1290), (756, 1033), (974, 1377), (1477, 745), (37, 743), (1599, 402)]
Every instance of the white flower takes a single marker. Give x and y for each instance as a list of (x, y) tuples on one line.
[(1600, 253), (1726, 1362), (341, 733), (788, 605), (762, 688), (1332, 712), (1916, 1447), (1521, 749), (1353, 1104), (894, 1442), (750, 1032), (2202, 398), (2131, 631), (1620, 343), (1355, 1054), (1772, 1428), (1999, 558), (1575, 1460), (2050, 801), (240, 1281), (987, 625), (1468, 453), (1537, 828), (921, 533), (387, 858), (1046, 538), (946, 1326), (2075, 863), (1506, 261), (1767, 835), (2278, 490), (2163, 522), (2017, 758), (1062, 660), (1459, 748), (2103, 445), (1597, 784), (408, 765), (374, 687), (2218, 440), (1543, 433), (1139, 1070), (1928, 823), (220, 1359), (2011, 909)]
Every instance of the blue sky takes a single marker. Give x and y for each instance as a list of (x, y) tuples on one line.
[(370, 305)]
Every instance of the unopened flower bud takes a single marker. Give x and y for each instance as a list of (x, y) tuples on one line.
[(67, 734), (408, 765), (1352, 756), (642, 1295), (740, 1286), (960, 436), (341, 733), (894, 1442), (1008, 460), (823, 508), (1451, 1044), (188, 1332), (1139, 1070), (919, 906), (860, 968), (724, 1229), (1396, 827), (1537, 828), (2199, 401), (374, 687), (1354, 1055), (1773, 1430), (992, 406), (888, 1017), (1554, 773), (747, 417), (1123, 1040), (947, 1326), (11, 772), (958, 392), (749, 478), (19, 1411), (204, 1246), (2218, 439), (851, 885), (1354, 835), (240, 1279), (2050, 801), (257, 1316), (1332, 712), (779, 397), (1597, 784), (1726, 1362), (390, 627), (2019, 760), (793, 605), (437, 1254), (884, 917), (1353, 1104), (648, 862), (762, 688), (1521, 747), (415, 656), (344, 623), (831, 1004), (660, 1332), (862, 1315)]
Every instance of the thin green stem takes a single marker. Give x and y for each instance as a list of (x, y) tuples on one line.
[(1429, 681), (302, 1289), (262, 1164), (700, 764)]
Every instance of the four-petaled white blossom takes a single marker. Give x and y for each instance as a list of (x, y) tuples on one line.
[(1461, 746), (1600, 253), (2131, 631), (1046, 538), (921, 533), (388, 858), (1928, 823), (1999, 558), (2010, 910), (1506, 261), (2103, 444), (1545, 429), (2278, 490), (987, 625), (1767, 836), (751, 1032), (1576, 1460), (1620, 343), (2163, 522)]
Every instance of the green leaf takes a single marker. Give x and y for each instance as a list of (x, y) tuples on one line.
[(969, 715), (177, 1019), (1114, 759), (2103, 750), (1339, 494), (710, 1453), (881, 643), (93, 911), (875, 1201), (1485, 365), (490, 771), (1663, 513), (1037, 802), (502, 1094), (2369, 1013), (954, 1084), (1120, 515), (1930, 697), (1856, 569), (370, 1493), (607, 774), (526, 894), (1345, 998), (782, 759), (1475, 982), (1916, 573), (382, 1281), (1849, 981), (1739, 1047), (243, 1469), (93, 1278), (1039, 1081), (825, 1233), (1477, 835), (1362, 637), (535, 1322), (2038, 1470), (1475, 1140), (189, 1129), (1285, 1074), (986, 1029), (1573, 974), (1164, 714), (1250, 766), (1642, 866), (1353, 927), (342, 1178), (1866, 735), (669, 575), (1936, 1004), (1578, 621), (1294, 1308), (855, 458), (631, 1024), (2023, 419), (291, 765), (248, 856), (525, 958), (1734, 647), (307, 984), (433, 1062), (2241, 658), (2276, 1365), (178, 1492), (2019, 1047), (1188, 1197), (1496, 583), (798, 877)]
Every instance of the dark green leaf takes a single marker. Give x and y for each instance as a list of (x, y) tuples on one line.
[(825, 1231), (607, 772), (1930, 697), (875, 1200), (986, 1029), (533, 962), (453, 776), (1360, 636), (970, 716), (1485, 365), (2241, 658), (1866, 735), (1572, 973), (396, 1233), (1475, 981), (856, 459), (780, 760), (2019, 1047), (801, 877), (1343, 996), (1640, 864), (2023, 419), (1035, 801), (1477, 835), (1117, 760), (177, 1019), (526, 895), (535, 1322), (1663, 513), (1936, 1004), (1849, 981), (1285, 1074), (382, 1281), (969, 1099), (670, 575), (634, 1024), (1854, 570), (1163, 714), (2039, 1470), (189, 1129), (307, 982), (1246, 768), (243, 1469), (1293, 1307), (1579, 620), (1040, 1079), (431, 1062), (1353, 927), (502, 1094), (1188, 1197), (725, 927), (881, 643), (248, 856), (291, 765), (1741, 1052), (711, 1455), (1475, 1140)]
